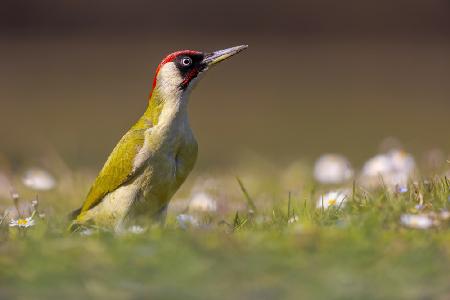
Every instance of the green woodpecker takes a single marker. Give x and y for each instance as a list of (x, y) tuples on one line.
[(155, 156)]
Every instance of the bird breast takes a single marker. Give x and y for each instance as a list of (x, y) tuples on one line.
[(168, 154)]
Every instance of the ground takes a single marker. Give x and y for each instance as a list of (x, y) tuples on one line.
[(261, 242)]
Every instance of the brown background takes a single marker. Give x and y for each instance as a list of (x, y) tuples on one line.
[(319, 76)]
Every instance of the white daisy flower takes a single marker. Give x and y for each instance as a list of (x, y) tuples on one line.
[(136, 229), (185, 221), (38, 179), (293, 219), (403, 165), (395, 169), (402, 161), (87, 232), (421, 221), (379, 164), (332, 169), (202, 202), (20, 222), (334, 198)]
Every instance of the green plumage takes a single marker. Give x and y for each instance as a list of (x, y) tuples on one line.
[(117, 169), (149, 163)]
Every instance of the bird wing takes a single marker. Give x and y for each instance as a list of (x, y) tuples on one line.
[(118, 169)]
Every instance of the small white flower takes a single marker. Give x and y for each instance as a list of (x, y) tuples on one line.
[(379, 164), (332, 169), (395, 169), (202, 202), (293, 219), (185, 221), (421, 221), (20, 222), (333, 198), (402, 162), (136, 229), (38, 179), (86, 232)]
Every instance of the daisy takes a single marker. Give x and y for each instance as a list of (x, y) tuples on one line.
[(333, 198), (136, 229), (38, 179), (332, 169), (379, 164), (87, 232), (293, 219), (395, 168), (402, 161), (202, 202), (421, 221), (20, 222)]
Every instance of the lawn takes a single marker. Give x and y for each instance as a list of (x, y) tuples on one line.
[(262, 240)]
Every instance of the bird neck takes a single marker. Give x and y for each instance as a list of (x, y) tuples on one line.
[(164, 107)]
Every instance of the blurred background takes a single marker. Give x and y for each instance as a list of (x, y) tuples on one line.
[(319, 76)]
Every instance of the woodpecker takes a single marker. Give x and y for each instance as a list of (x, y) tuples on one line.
[(152, 160)]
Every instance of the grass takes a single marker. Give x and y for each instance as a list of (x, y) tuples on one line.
[(248, 249)]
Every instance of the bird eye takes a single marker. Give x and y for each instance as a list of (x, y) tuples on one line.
[(186, 61)]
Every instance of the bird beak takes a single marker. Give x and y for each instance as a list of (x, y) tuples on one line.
[(217, 56)]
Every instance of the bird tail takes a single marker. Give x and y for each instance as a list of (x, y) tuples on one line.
[(74, 214), (74, 226)]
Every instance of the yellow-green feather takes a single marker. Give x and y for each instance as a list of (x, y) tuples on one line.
[(118, 168)]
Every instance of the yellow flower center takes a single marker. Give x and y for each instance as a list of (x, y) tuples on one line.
[(332, 202), (22, 222)]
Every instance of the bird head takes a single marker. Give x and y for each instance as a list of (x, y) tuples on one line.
[(178, 71)]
